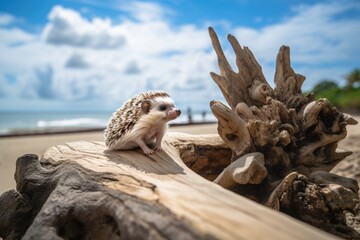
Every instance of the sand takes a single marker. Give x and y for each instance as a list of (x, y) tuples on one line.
[(13, 147)]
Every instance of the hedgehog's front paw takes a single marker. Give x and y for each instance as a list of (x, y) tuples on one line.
[(146, 149), (157, 149), (149, 151)]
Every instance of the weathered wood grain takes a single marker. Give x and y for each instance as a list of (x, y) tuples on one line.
[(81, 190), (294, 137)]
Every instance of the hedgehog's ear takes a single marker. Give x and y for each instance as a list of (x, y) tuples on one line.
[(145, 106)]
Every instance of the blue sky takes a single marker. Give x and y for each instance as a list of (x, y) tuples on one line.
[(91, 55)]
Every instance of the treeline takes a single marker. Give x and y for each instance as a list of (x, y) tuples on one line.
[(347, 97)]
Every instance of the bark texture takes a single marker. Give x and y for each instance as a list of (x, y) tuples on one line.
[(81, 190), (284, 144)]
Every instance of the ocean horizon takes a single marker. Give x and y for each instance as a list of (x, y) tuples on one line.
[(19, 122)]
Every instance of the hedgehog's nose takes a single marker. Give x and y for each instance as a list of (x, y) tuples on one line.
[(178, 112)]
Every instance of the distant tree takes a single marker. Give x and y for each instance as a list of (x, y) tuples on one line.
[(353, 77), (325, 85)]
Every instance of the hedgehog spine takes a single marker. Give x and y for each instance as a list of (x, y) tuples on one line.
[(142, 120)]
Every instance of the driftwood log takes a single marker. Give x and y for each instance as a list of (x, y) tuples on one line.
[(81, 190), (275, 147)]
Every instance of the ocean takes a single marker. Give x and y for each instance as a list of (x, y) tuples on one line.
[(42, 122)]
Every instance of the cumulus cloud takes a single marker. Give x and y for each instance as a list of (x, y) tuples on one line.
[(115, 60), (68, 27), (145, 11), (191, 84), (77, 61), (132, 68), (14, 36), (322, 44), (7, 19), (44, 87), (5, 86), (314, 33)]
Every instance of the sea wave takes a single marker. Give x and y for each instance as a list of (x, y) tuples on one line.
[(4, 131), (29, 123), (76, 122)]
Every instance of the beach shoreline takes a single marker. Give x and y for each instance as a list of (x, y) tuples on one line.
[(73, 130), (12, 147)]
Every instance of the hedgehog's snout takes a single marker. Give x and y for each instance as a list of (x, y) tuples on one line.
[(173, 114)]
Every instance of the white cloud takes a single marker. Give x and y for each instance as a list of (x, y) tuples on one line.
[(68, 27), (77, 60), (7, 19), (145, 11), (14, 36), (132, 68), (44, 86), (322, 44), (314, 34)]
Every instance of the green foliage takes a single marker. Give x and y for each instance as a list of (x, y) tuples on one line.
[(324, 86), (345, 98), (342, 98), (353, 78)]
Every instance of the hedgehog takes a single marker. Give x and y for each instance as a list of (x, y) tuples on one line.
[(141, 121)]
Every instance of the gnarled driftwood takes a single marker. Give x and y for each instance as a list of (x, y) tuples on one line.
[(284, 144)]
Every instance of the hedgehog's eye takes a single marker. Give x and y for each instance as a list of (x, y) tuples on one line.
[(162, 107)]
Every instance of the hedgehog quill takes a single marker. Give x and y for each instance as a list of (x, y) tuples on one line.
[(141, 121)]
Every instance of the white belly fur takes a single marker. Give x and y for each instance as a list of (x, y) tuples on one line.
[(146, 132)]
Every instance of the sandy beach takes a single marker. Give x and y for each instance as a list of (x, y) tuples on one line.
[(13, 147)]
